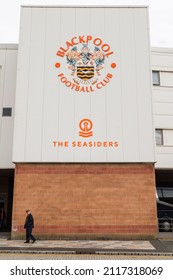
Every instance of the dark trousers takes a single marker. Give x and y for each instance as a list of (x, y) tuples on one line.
[(1, 223), (29, 234)]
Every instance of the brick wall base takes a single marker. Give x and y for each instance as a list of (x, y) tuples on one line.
[(86, 201)]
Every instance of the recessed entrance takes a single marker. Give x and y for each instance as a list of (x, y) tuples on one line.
[(6, 196)]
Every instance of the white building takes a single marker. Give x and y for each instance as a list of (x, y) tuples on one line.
[(136, 148), (162, 67), (8, 70)]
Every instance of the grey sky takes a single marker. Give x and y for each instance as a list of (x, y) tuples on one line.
[(160, 15)]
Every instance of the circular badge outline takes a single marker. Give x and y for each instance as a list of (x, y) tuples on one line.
[(88, 121)]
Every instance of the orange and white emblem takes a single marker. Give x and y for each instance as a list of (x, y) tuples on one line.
[(85, 126), (87, 59)]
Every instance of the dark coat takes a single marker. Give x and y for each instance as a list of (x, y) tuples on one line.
[(2, 215), (29, 222)]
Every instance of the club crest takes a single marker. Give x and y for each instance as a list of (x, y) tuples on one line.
[(85, 59), (85, 65)]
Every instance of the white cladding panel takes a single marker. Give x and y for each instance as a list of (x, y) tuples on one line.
[(164, 159), (8, 69), (117, 100), (166, 79), (164, 95), (163, 121), (162, 60), (163, 108), (168, 137)]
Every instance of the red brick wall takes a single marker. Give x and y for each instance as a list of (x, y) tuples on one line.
[(86, 200)]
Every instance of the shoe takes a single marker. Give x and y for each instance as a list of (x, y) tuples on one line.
[(26, 242), (33, 241)]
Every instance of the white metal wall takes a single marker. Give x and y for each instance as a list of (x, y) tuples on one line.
[(8, 69), (48, 111), (162, 60)]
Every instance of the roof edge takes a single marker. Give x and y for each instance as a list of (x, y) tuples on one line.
[(8, 46), (84, 6), (161, 50)]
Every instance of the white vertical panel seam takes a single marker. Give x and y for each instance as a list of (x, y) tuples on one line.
[(90, 151), (28, 82), (18, 73), (122, 119), (59, 86), (43, 101), (74, 94), (106, 109), (164, 134), (137, 99), (4, 77), (150, 70), (3, 89)]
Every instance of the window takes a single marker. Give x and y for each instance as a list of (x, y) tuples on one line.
[(156, 78), (159, 136), (6, 112), (164, 137)]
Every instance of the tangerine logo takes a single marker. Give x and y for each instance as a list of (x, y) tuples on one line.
[(85, 126), (85, 58)]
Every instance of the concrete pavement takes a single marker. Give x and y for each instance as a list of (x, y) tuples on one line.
[(128, 247)]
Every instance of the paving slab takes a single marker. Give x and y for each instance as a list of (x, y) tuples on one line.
[(150, 247), (87, 246)]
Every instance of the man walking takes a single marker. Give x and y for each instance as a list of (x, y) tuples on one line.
[(2, 218), (29, 225)]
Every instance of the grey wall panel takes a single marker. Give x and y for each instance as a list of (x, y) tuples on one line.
[(2, 77), (22, 88), (164, 160), (163, 121), (162, 95), (143, 86), (50, 121), (52, 106), (128, 83), (35, 86), (8, 68), (162, 59), (163, 108)]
